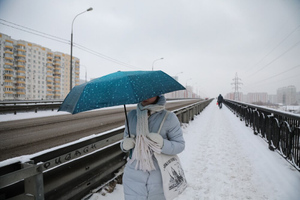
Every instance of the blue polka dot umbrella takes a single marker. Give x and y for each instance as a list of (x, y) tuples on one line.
[(119, 88)]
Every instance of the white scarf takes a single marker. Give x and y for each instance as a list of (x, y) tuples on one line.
[(145, 147)]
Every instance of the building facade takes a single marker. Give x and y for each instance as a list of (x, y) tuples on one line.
[(287, 95), (256, 97), (32, 72)]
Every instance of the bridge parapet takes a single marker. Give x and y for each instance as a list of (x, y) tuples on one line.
[(280, 129)]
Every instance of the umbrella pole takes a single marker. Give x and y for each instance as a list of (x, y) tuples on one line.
[(126, 120), (130, 152)]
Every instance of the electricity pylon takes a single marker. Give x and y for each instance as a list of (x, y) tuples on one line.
[(236, 83)]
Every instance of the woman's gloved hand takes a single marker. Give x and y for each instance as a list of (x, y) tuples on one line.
[(128, 143), (157, 138)]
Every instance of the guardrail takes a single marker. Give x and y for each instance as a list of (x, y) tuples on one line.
[(26, 106), (280, 129), (32, 105), (72, 171)]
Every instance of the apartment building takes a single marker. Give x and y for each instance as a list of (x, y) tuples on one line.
[(32, 72), (257, 97), (287, 95)]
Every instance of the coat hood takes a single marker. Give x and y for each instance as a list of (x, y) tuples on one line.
[(162, 100)]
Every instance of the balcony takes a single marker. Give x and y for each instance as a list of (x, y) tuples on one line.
[(21, 46), (21, 71), (23, 55), (20, 59), (21, 50), (9, 44), (49, 80), (20, 74), (21, 93), (8, 57), (57, 73), (8, 69), (19, 67), (8, 63), (20, 81), (8, 48), (9, 52), (8, 75), (8, 80), (20, 90), (20, 85)]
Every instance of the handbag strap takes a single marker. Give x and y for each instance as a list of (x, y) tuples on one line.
[(163, 121)]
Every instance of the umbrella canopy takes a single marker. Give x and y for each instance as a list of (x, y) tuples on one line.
[(119, 88)]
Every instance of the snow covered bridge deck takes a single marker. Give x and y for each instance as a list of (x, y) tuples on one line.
[(223, 159)]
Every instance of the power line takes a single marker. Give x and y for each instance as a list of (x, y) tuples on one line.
[(58, 39), (104, 56), (293, 46), (278, 44), (280, 80), (288, 78), (278, 74), (35, 33), (276, 32)]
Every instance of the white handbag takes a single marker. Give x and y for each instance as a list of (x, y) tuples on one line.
[(174, 181)]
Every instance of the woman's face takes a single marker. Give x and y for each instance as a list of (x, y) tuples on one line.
[(148, 101)]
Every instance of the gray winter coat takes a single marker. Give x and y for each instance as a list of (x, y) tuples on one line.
[(139, 185)]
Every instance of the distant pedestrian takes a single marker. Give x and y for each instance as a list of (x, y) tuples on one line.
[(220, 100)]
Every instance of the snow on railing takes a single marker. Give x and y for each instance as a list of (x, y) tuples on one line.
[(280, 129)]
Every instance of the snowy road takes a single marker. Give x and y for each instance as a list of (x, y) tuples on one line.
[(223, 159)]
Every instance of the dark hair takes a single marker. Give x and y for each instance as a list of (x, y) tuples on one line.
[(157, 98)]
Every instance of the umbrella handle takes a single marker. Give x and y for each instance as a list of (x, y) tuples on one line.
[(130, 153), (126, 120)]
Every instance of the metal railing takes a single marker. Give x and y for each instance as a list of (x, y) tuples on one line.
[(26, 106), (280, 129), (32, 105), (71, 172)]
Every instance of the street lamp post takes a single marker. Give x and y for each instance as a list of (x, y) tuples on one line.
[(155, 61), (71, 70)]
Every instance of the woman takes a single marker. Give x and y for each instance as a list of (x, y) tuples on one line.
[(142, 177)]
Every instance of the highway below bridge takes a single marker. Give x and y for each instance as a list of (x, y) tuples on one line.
[(28, 136)]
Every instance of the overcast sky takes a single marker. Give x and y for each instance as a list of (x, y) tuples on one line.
[(204, 42)]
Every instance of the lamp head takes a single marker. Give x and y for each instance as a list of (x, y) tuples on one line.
[(90, 9)]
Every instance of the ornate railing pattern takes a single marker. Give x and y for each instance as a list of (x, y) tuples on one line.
[(280, 129)]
